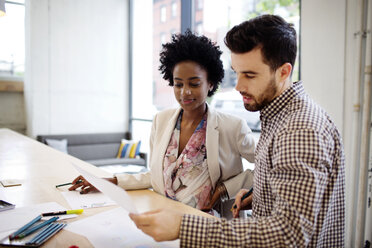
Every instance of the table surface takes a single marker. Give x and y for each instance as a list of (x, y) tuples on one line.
[(40, 167)]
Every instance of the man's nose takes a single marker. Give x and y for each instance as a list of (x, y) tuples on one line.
[(238, 85)]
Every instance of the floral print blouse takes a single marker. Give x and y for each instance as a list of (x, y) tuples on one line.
[(186, 177)]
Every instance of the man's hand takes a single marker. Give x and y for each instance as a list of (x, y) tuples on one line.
[(162, 225), (241, 205)]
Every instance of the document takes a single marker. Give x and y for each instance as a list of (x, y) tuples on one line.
[(115, 229), (117, 194), (91, 200), (15, 218)]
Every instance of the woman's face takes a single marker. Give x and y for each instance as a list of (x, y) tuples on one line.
[(191, 85)]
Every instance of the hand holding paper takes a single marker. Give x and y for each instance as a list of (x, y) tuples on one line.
[(117, 194)]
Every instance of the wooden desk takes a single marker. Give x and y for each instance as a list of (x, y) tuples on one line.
[(40, 168)]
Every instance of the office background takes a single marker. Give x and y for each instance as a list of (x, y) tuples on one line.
[(82, 76)]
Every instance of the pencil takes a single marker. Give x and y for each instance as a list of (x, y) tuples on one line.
[(13, 235), (35, 228), (243, 197), (64, 184)]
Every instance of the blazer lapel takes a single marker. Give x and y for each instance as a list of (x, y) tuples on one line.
[(164, 136), (212, 144)]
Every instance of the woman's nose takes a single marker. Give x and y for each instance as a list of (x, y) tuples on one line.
[(186, 91)]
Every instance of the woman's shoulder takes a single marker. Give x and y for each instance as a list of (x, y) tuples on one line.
[(166, 114), (223, 117)]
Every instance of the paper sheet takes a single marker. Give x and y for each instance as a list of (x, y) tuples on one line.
[(91, 200), (113, 229), (117, 194), (15, 218)]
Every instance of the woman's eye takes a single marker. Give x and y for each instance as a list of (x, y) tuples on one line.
[(194, 84), (178, 85)]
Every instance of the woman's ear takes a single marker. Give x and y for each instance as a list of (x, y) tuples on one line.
[(210, 86)]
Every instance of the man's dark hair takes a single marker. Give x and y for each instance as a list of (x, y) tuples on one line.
[(271, 33), (190, 47)]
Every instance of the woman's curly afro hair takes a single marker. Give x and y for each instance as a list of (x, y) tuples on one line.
[(190, 47)]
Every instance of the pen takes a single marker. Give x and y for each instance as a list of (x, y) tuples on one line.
[(64, 184), (35, 228), (243, 197), (76, 211), (13, 235)]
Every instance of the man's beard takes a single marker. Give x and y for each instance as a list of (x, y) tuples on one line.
[(263, 99)]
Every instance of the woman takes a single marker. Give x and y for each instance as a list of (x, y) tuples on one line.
[(195, 152)]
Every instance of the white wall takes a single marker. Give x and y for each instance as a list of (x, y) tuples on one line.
[(322, 54), (76, 66), (330, 66)]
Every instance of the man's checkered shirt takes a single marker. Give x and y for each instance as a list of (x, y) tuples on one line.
[(298, 197)]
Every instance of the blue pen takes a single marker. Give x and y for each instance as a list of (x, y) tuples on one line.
[(13, 235), (35, 228)]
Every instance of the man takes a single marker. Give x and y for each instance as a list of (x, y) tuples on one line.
[(298, 196)]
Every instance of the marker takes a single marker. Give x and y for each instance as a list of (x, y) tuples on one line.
[(76, 211), (64, 184), (243, 197)]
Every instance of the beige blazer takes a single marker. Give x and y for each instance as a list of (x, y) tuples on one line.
[(228, 140)]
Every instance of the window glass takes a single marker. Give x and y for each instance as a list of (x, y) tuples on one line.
[(163, 14), (214, 18), (150, 92), (12, 41), (174, 9)]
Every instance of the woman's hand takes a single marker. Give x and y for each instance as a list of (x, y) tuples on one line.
[(86, 187), (241, 205), (217, 194)]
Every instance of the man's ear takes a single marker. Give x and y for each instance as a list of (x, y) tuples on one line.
[(284, 72)]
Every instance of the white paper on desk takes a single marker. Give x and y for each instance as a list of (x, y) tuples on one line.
[(117, 194), (91, 200), (114, 228), (15, 218)]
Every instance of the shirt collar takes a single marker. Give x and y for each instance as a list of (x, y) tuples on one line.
[(275, 106)]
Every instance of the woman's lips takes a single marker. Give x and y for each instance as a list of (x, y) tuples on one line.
[(187, 101)]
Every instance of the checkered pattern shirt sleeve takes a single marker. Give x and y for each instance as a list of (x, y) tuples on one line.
[(298, 197)]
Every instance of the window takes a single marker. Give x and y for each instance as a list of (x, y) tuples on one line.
[(213, 18), (199, 28), (163, 14), (12, 41), (150, 92), (174, 10)]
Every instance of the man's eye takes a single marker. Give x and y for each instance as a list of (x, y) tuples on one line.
[(249, 76)]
